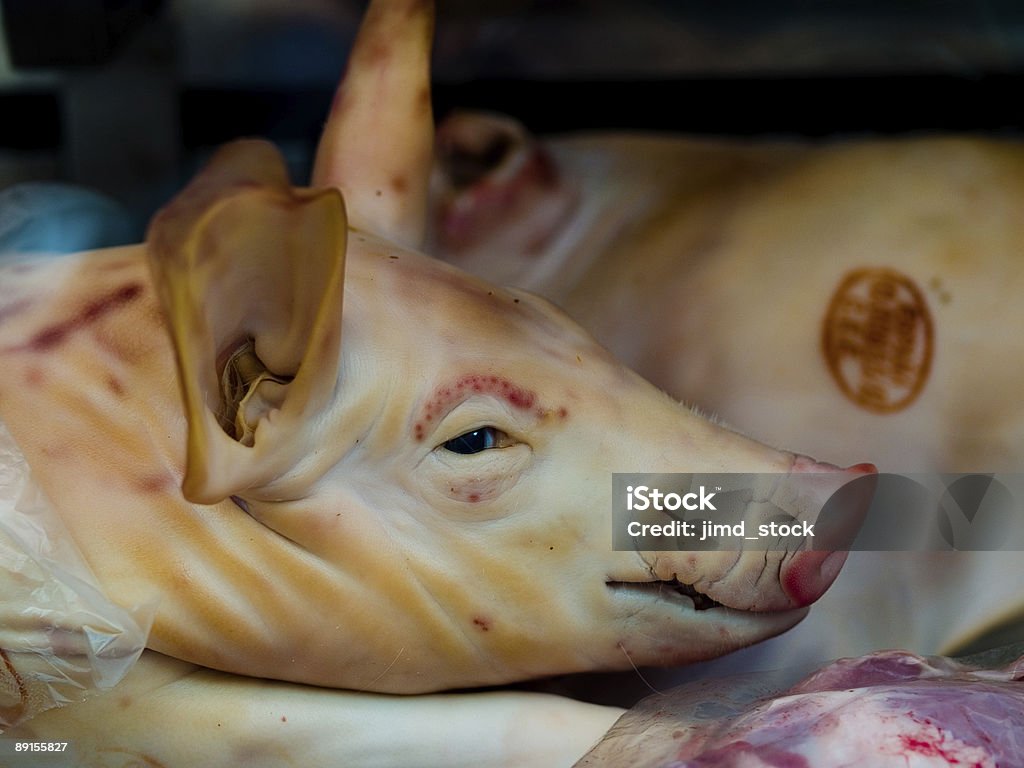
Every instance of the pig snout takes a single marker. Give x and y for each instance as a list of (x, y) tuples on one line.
[(806, 575), (695, 603)]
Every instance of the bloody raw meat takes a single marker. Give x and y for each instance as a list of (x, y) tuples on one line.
[(890, 708)]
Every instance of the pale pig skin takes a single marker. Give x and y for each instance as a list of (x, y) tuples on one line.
[(293, 505), (719, 270), (709, 265)]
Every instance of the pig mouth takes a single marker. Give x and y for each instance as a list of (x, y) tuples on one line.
[(671, 589)]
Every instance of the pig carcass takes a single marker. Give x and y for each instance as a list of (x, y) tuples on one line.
[(342, 470), (853, 298)]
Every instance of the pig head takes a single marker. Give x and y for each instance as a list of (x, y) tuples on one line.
[(334, 460)]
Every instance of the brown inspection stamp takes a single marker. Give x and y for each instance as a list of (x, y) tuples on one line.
[(878, 339)]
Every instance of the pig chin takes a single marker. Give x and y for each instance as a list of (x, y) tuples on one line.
[(681, 625), (677, 602), (731, 631)]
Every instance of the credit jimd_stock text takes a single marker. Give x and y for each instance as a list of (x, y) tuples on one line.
[(642, 498)]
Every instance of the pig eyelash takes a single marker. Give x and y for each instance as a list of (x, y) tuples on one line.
[(711, 416)]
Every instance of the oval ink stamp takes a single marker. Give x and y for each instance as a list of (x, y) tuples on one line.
[(878, 339)]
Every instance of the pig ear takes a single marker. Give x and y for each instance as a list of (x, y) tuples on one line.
[(250, 274), (377, 145)]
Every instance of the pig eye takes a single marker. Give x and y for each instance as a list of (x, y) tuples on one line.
[(478, 440)]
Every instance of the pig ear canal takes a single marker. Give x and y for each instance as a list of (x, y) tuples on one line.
[(249, 272), (248, 393)]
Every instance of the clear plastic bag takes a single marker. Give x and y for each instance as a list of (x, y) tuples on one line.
[(61, 639), (890, 708)]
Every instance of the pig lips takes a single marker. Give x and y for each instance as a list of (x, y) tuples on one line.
[(701, 602)]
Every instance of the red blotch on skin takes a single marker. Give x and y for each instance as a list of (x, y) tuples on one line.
[(155, 483), (50, 337), (919, 745), (484, 625), (929, 749), (114, 385), (809, 574), (447, 396), (561, 413)]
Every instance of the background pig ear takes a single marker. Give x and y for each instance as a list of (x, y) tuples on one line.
[(250, 274), (377, 145)]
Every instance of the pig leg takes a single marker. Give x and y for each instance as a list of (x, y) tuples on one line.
[(168, 713)]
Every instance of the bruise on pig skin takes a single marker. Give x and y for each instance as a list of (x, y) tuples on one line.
[(54, 335), (446, 397)]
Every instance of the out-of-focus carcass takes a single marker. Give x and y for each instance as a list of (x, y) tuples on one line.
[(853, 298)]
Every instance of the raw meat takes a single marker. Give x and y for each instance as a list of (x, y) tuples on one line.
[(890, 708)]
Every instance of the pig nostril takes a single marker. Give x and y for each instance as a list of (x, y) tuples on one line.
[(810, 573)]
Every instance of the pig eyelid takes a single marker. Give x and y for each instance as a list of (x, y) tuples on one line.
[(478, 440)]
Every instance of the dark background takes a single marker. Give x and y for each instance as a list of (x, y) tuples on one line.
[(128, 96)]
